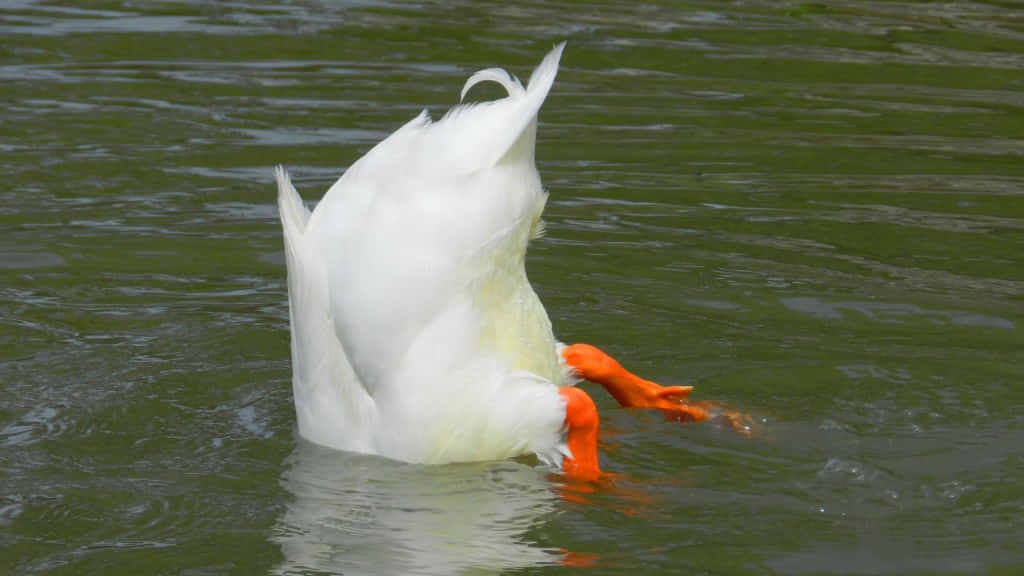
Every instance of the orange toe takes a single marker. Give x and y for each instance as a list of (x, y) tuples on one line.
[(686, 412), (742, 424)]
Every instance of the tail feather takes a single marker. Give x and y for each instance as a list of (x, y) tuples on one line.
[(544, 75), (497, 75), (331, 405), (294, 214), (521, 149), (482, 134)]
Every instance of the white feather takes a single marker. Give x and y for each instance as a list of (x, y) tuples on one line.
[(415, 332), (499, 75)]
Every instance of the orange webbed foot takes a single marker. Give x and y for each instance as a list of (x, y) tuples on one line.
[(631, 391)]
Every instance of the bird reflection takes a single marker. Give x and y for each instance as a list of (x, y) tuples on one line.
[(357, 514)]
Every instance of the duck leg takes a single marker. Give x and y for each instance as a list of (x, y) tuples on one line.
[(631, 391), (581, 423)]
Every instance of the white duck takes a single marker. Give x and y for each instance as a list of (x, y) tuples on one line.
[(415, 332)]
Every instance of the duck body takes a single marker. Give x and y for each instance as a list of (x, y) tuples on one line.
[(416, 334)]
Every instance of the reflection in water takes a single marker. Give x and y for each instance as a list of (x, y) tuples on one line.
[(357, 514)]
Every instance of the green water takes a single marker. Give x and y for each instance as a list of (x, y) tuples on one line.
[(810, 211)]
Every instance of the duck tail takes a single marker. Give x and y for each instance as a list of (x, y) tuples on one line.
[(294, 214), (480, 135), (543, 77)]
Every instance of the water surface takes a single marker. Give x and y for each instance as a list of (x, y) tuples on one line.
[(811, 211)]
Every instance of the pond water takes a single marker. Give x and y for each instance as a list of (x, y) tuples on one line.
[(811, 211)]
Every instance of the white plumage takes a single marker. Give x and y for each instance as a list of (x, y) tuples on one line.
[(415, 332)]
